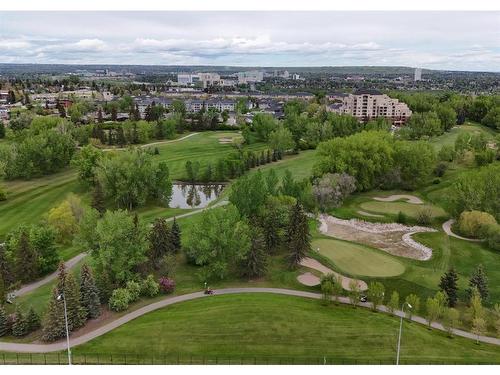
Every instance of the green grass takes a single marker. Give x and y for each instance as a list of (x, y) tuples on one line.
[(299, 164), (393, 208), (449, 138), (254, 325), (358, 260)]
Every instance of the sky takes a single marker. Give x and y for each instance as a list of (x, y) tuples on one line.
[(433, 40)]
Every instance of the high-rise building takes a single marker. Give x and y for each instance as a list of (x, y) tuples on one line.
[(418, 74)]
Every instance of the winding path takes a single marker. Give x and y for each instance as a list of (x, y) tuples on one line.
[(392, 198), (447, 229), (151, 144), (30, 287), (61, 345)]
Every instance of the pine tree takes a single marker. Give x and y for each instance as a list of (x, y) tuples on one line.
[(20, 325), (175, 232), (2, 130), (160, 242), (54, 324), (26, 259), (89, 294), (33, 320), (448, 285), (255, 262), (120, 137), (98, 202), (100, 119), (4, 324), (480, 281), (298, 236), (76, 313)]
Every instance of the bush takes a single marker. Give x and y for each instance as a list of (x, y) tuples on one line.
[(402, 218), (150, 286), (3, 194), (436, 181), (167, 285), (475, 223), (447, 153), (424, 217), (440, 169), (134, 290), (119, 300), (493, 236)]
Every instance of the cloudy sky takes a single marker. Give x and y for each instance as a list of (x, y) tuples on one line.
[(435, 40)]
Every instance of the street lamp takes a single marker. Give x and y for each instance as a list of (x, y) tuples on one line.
[(61, 297), (401, 328)]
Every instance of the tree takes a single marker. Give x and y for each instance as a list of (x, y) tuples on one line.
[(451, 319), (448, 285), (89, 294), (4, 323), (491, 119), (393, 304), (479, 281), (424, 124), (414, 162), (33, 320), (63, 221), (281, 139), (263, 125), (254, 263), (376, 292), (414, 301), (337, 288), (273, 219), (86, 162), (435, 307), (327, 291), (160, 242), (175, 234), (2, 130), (475, 223), (98, 203), (478, 327), (248, 194), (54, 323), (69, 289), (26, 259), (447, 116), (20, 325), (298, 237), (332, 188), (120, 299), (476, 309), (354, 291)]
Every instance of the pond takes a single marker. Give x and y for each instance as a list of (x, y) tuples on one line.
[(194, 195)]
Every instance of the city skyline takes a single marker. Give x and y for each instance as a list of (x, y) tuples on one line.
[(431, 40)]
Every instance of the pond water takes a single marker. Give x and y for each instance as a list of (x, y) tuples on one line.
[(194, 196)]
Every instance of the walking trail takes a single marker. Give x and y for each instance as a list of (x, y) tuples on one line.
[(391, 198), (447, 229), (74, 261), (61, 345), (151, 144)]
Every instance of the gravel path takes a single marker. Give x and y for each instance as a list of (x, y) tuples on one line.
[(447, 229), (61, 345), (409, 198), (315, 265), (30, 287)]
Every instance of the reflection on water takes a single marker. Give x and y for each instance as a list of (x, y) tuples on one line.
[(194, 196)]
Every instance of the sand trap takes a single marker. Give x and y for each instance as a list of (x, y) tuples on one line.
[(308, 279), (364, 213), (314, 264), (393, 238), (391, 198)]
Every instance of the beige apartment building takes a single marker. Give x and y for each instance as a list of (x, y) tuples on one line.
[(369, 104)]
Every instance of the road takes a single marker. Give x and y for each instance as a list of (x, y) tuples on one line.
[(61, 345)]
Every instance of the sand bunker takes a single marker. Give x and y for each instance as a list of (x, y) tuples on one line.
[(308, 279), (393, 238), (408, 198), (314, 264)]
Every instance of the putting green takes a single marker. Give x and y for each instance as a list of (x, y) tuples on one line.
[(393, 208), (358, 260)]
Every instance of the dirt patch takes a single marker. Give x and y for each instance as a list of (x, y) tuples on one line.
[(393, 238), (315, 265), (408, 198), (364, 213)]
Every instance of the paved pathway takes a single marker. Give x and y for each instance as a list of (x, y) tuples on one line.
[(447, 229), (391, 198), (346, 281), (61, 345), (218, 204), (151, 144), (30, 287)]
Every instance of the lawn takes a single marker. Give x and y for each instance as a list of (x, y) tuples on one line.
[(299, 164), (253, 325), (393, 208), (358, 260), (449, 138)]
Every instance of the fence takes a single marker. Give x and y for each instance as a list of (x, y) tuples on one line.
[(169, 359)]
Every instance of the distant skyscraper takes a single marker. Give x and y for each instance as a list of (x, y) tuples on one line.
[(418, 74)]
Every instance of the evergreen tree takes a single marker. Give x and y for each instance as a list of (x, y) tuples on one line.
[(4, 324), (298, 236), (76, 313), (100, 119), (268, 156), (98, 202), (254, 264), (480, 281), (20, 325), (114, 114), (89, 294), (448, 285), (33, 320), (175, 232), (54, 324), (120, 137), (160, 242), (2, 130), (26, 258)]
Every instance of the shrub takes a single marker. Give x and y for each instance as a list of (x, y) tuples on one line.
[(119, 300), (436, 181), (167, 285), (447, 153), (492, 234), (424, 217), (475, 223), (402, 218), (440, 169), (150, 286), (3, 194), (134, 290)]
